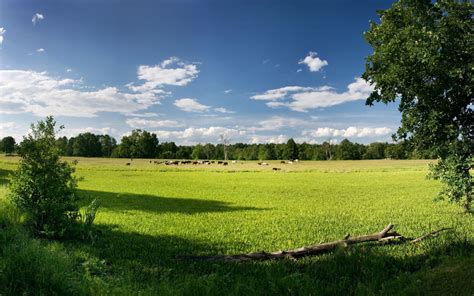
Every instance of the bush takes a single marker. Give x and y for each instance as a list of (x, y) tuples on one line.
[(43, 186)]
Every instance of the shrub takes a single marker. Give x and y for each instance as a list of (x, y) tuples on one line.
[(43, 186)]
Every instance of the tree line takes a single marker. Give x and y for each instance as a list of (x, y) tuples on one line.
[(143, 144)]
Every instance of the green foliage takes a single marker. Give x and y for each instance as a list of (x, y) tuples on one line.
[(107, 145), (375, 151), (88, 218), (291, 150), (43, 185), (347, 150), (140, 144), (423, 56), (453, 171), (8, 145), (87, 144)]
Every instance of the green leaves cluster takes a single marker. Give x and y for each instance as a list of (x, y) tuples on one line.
[(424, 57)]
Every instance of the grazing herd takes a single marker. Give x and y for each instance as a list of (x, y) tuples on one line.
[(209, 162), (183, 162)]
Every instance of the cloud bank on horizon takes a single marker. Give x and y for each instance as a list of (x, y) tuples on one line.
[(193, 97)]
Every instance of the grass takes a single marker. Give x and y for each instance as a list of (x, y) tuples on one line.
[(151, 213)]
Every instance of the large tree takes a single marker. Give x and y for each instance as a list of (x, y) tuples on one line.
[(140, 144), (88, 145), (423, 57)]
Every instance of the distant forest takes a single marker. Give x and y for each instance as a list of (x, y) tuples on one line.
[(143, 144)]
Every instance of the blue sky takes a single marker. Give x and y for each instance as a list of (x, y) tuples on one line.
[(256, 71)]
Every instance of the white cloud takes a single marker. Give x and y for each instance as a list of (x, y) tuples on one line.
[(192, 135), (163, 74), (144, 123), (313, 62), (277, 122), (146, 114), (350, 132), (69, 70), (299, 70), (190, 105), (223, 110), (301, 99), (36, 18), (2, 31), (257, 139), (38, 93), (227, 91), (8, 129), (40, 50), (279, 93)]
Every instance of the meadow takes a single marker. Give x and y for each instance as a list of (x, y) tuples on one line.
[(152, 213)]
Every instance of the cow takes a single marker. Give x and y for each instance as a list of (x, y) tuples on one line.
[(219, 162), (127, 163), (282, 161), (276, 169), (195, 162), (264, 163), (225, 163)]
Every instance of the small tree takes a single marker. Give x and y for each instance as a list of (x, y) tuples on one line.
[(291, 149), (8, 145), (225, 140), (43, 185), (423, 56)]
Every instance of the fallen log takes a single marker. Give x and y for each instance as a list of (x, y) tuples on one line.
[(383, 236), (431, 234)]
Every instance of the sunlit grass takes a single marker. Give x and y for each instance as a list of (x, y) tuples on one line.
[(151, 213)]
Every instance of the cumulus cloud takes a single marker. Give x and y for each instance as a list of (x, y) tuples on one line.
[(40, 50), (190, 105), (227, 91), (145, 123), (302, 99), (170, 72), (2, 32), (278, 139), (69, 70), (350, 132), (192, 135), (36, 18), (6, 128), (277, 122), (41, 94), (279, 93), (313, 62)]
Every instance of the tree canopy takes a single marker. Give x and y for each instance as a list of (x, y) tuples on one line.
[(423, 56), (8, 145)]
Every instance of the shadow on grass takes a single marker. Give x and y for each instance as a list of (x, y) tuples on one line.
[(157, 204), (147, 263), (4, 176)]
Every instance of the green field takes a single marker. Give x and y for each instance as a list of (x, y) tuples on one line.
[(151, 213)]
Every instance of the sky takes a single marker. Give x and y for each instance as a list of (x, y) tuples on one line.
[(190, 71)]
